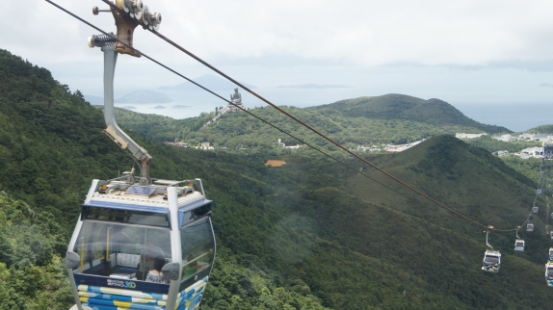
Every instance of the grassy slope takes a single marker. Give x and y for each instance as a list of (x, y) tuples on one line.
[(464, 177), (493, 145), (396, 106), (541, 129)]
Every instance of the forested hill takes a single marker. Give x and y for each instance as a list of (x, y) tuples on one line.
[(541, 129), (364, 121), (396, 106), (296, 237)]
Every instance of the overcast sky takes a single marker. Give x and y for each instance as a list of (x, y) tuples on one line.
[(459, 51)]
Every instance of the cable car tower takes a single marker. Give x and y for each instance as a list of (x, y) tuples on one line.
[(139, 243)]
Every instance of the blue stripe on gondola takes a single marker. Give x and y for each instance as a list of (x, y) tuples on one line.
[(125, 206), (141, 286), (133, 306), (107, 307)]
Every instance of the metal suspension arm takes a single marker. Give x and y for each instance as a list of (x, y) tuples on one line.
[(487, 234), (113, 131)]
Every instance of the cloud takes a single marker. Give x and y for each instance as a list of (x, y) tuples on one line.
[(357, 32), (313, 86)]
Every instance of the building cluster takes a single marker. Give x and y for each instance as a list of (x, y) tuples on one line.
[(283, 145), (462, 135), (544, 137), (545, 151), (179, 144), (205, 146), (390, 148)]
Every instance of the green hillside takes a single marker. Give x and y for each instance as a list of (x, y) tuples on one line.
[(396, 106), (240, 131), (308, 235), (541, 129)]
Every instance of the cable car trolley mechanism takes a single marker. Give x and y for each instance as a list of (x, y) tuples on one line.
[(139, 242), (492, 259), (519, 243)]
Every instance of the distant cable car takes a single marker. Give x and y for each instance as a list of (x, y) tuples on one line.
[(530, 227), (551, 254), (549, 273), (535, 209), (552, 235), (492, 259), (539, 191), (519, 245)]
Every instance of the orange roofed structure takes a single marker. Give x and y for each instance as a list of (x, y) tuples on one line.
[(275, 163)]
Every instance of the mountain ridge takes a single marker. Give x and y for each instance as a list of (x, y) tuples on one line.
[(398, 106)]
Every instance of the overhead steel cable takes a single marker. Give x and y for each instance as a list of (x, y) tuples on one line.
[(282, 111)]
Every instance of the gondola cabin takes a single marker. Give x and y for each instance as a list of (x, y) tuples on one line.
[(539, 191), (144, 247), (535, 209), (519, 245), (530, 227), (549, 273), (551, 254), (551, 233), (492, 261)]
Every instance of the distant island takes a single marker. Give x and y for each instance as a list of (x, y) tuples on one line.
[(182, 107), (144, 96), (159, 107)]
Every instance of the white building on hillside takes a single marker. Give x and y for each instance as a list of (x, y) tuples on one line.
[(462, 135)]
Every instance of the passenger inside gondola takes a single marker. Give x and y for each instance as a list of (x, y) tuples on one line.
[(491, 260), (155, 275)]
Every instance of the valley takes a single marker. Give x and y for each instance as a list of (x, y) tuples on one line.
[(310, 234)]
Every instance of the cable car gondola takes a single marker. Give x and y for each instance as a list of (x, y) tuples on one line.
[(549, 273), (530, 227), (139, 243), (539, 191), (519, 245), (535, 209), (551, 254), (131, 244), (492, 259), (551, 233)]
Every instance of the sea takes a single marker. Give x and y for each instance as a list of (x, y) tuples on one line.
[(515, 116)]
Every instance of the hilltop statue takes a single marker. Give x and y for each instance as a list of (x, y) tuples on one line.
[(236, 97)]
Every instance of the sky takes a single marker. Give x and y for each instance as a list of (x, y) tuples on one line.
[(468, 53)]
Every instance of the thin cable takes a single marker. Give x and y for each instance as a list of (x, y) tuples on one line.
[(286, 113)]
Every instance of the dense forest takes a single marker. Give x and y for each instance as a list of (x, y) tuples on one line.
[(309, 235)]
